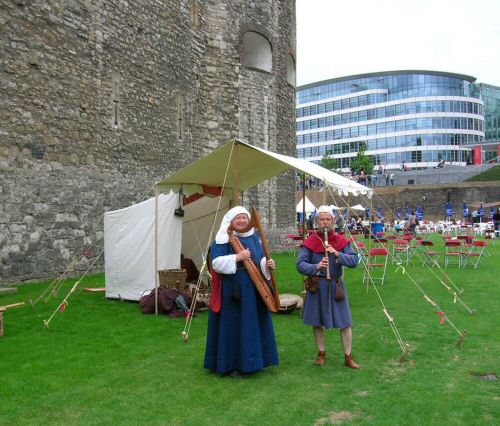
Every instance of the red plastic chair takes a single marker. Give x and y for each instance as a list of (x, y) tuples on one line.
[(453, 251), (377, 265), (473, 256), (362, 247), (429, 254), (400, 251)]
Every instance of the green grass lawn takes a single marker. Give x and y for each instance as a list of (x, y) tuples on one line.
[(488, 175), (104, 362)]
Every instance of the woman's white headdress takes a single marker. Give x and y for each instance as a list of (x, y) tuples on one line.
[(222, 237)]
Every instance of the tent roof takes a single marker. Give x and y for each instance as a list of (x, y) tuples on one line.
[(358, 207), (237, 165), (310, 207)]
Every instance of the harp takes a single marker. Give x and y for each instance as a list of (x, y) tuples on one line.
[(268, 290)]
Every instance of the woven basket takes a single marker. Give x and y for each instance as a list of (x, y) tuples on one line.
[(173, 278)]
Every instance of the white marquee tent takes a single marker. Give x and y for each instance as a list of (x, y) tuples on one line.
[(299, 208), (358, 207), (148, 237)]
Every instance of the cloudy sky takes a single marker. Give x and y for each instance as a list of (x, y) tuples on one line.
[(337, 38)]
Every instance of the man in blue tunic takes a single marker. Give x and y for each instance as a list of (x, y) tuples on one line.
[(240, 337), (325, 307)]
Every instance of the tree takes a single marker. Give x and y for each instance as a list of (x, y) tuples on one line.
[(328, 162), (362, 161)]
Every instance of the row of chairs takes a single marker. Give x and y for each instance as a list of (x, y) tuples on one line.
[(463, 252)]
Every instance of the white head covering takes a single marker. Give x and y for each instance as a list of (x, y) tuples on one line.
[(324, 209), (222, 237)]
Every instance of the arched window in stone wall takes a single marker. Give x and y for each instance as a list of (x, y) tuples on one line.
[(290, 69), (257, 51)]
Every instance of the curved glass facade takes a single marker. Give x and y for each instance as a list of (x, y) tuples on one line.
[(417, 117)]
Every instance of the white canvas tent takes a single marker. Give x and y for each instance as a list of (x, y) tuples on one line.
[(299, 208), (358, 207), (129, 246), (154, 234)]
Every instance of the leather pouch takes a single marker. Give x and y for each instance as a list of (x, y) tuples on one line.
[(312, 284)]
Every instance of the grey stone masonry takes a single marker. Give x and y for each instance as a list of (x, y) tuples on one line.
[(100, 99)]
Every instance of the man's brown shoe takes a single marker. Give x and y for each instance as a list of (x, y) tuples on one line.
[(349, 361), (321, 359)]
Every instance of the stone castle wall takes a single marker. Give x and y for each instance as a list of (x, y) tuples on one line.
[(102, 98)]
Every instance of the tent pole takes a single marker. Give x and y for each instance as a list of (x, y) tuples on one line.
[(156, 249), (237, 176), (304, 232)]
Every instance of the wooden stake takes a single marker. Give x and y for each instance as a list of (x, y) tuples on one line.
[(405, 353), (12, 305), (461, 339), (1, 321)]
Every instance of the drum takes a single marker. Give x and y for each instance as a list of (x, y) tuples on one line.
[(289, 302)]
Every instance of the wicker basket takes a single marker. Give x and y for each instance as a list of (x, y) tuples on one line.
[(173, 278)]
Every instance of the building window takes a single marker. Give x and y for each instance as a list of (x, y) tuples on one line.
[(257, 52)]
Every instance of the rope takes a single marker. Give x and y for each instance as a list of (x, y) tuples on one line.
[(189, 317), (74, 261), (404, 347), (457, 291), (400, 266)]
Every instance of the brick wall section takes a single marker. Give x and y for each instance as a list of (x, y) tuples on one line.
[(172, 69), (390, 198)]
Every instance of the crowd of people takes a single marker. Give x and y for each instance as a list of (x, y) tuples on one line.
[(382, 177)]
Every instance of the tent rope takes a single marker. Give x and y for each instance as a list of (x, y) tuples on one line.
[(59, 280), (432, 270), (404, 346), (190, 315), (434, 304)]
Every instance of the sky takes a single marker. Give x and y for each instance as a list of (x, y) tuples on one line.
[(337, 38)]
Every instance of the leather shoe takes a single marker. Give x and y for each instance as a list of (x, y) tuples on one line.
[(235, 374), (350, 362), (321, 359)]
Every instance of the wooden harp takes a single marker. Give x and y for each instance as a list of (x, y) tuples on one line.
[(268, 290)]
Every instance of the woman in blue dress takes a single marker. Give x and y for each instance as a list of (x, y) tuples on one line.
[(321, 309), (240, 337)]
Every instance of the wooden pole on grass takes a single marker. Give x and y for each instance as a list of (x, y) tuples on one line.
[(156, 249), (236, 195), (304, 231)]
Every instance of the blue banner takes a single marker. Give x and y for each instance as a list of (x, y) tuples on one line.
[(399, 214), (492, 210), (481, 210), (408, 212), (380, 213), (449, 210), (368, 213), (419, 213), (345, 213), (466, 210), (301, 218)]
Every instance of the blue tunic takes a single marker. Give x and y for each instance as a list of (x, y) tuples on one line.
[(320, 307), (241, 336)]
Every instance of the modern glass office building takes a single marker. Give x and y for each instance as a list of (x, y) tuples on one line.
[(416, 117), (491, 96)]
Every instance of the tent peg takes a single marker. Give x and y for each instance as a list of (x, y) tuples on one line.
[(461, 339), (405, 353)]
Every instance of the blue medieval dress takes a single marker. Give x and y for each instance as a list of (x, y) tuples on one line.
[(320, 307), (241, 335)]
